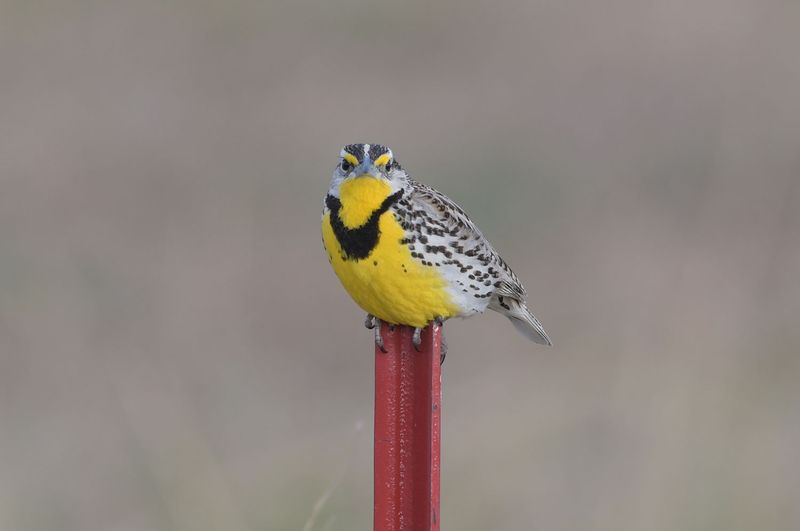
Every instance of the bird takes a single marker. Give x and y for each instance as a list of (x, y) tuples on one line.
[(409, 255)]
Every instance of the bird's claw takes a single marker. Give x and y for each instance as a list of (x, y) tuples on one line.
[(379, 337), (376, 324), (373, 323), (417, 339), (440, 323)]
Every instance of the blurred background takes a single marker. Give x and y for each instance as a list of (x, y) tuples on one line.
[(176, 353)]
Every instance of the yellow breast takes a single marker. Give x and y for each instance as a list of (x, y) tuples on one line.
[(388, 283)]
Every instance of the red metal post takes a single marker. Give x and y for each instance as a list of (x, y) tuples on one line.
[(408, 400)]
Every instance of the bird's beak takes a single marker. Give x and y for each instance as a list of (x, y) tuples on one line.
[(367, 169)]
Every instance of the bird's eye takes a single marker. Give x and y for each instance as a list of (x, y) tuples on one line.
[(346, 166), (389, 166)]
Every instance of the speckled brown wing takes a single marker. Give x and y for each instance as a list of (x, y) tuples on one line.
[(440, 234)]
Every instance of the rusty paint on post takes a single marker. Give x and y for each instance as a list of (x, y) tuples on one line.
[(407, 431)]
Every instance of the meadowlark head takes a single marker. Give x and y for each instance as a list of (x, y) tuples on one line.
[(371, 161)]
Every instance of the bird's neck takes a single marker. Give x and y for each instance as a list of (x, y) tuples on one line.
[(360, 197)]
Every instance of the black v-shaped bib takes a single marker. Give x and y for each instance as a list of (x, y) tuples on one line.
[(357, 243)]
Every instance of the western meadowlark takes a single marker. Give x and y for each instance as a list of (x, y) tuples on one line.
[(407, 254)]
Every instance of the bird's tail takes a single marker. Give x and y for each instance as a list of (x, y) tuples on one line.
[(522, 319)]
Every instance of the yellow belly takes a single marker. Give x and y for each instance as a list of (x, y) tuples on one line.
[(389, 283)]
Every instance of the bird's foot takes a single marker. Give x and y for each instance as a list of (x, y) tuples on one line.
[(440, 323), (373, 323), (378, 336), (417, 339)]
